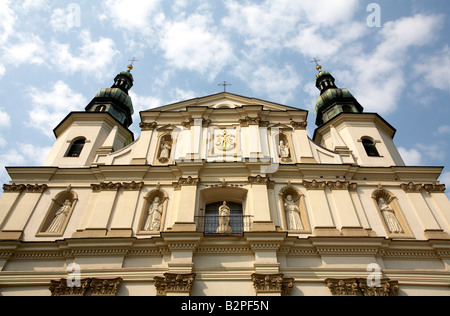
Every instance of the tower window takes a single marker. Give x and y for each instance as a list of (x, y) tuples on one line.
[(76, 148), (370, 148)]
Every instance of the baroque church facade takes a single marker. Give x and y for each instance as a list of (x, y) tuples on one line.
[(224, 195)]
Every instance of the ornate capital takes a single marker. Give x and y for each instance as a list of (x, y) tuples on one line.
[(299, 125), (14, 187), (247, 121), (104, 186), (259, 180), (359, 287), (36, 188), (342, 185), (314, 185), (193, 122), (133, 186), (148, 126), (272, 283), (435, 188), (177, 283), (411, 187), (60, 288), (101, 287), (189, 181)]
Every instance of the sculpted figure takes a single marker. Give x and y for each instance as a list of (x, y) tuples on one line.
[(292, 214), (60, 218), (153, 222), (224, 220), (165, 152), (284, 151), (389, 216)]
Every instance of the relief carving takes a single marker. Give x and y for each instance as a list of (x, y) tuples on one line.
[(314, 185), (272, 283), (106, 187), (174, 283), (14, 187)]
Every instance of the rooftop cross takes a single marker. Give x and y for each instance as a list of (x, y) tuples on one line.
[(316, 61), (224, 85), (132, 62)]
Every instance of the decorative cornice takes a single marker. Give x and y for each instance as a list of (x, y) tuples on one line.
[(299, 125), (189, 181), (411, 187), (359, 287), (148, 126), (106, 187), (14, 188), (314, 185), (36, 188), (133, 186), (342, 185)]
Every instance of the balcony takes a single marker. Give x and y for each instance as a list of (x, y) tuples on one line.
[(230, 225)]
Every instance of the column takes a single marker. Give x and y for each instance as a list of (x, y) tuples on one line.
[(348, 216), (8, 199), (185, 218), (437, 193), (301, 138), (16, 223), (122, 221), (324, 224), (432, 229), (140, 151), (261, 205)]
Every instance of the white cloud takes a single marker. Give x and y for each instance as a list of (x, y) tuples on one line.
[(428, 70), (5, 119), (135, 15), (29, 50), (411, 157), (92, 57), (50, 108), (195, 44), (7, 21), (443, 130)]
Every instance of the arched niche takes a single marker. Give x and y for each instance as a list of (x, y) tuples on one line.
[(391, 214), (153, 213), (165, 149), (59, 213), (293, 210), (283, 143)]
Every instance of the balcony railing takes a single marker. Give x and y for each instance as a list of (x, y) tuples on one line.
[(229, 225)]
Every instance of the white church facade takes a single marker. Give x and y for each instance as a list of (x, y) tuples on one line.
[(224, 195)]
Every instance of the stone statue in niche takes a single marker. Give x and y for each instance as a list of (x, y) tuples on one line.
[(224, 220), (60, 218), (153, 222), (285, 153), (164, 156), (294, 221), (389, 216)]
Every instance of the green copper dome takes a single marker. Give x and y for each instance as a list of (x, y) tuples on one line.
[(117, 94), (332, 94)]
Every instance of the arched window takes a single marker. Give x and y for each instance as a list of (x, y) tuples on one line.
[(347, 109), (370, 148), (101, 108), (76, 148)]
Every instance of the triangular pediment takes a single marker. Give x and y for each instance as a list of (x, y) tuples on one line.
[(224, 100)]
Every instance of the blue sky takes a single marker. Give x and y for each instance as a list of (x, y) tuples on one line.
[(56, 55)]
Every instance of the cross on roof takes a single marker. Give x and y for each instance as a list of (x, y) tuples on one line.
[(316, 61), (224, 85), (130, 66)]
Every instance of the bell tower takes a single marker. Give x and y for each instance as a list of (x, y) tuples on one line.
[(83, 137), (343, 127)]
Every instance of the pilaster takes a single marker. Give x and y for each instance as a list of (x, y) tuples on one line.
[(185, 218), (261, 204)]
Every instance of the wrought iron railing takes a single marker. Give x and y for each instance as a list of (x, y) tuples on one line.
[(223, 225)]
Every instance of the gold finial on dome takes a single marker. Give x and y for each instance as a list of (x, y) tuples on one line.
[(130, 66), (316, 61)]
